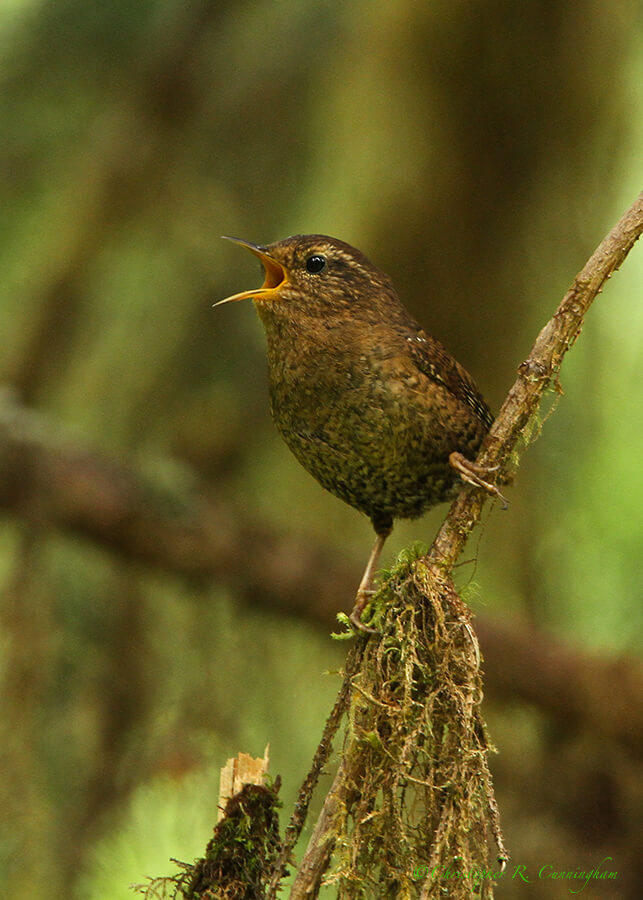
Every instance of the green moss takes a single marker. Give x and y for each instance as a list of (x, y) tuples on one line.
[(416, 748), (240, 857)]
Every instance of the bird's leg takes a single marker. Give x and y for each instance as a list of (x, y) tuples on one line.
[(476, 475), (365, 589)]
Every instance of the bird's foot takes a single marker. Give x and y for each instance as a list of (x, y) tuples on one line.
[(477, 475), (362, 598), (365, 590)]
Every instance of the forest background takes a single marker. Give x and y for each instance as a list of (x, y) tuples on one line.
[(169, 573)]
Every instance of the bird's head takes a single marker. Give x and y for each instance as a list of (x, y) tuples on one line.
[(313, 274)]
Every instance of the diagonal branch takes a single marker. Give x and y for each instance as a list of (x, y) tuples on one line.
[(535, 375)]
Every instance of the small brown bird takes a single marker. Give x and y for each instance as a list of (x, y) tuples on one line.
[(370, 404)]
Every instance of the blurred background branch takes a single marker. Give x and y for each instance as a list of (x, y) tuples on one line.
[(184, 532)]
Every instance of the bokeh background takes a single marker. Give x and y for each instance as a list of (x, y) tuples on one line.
[(169, 574)]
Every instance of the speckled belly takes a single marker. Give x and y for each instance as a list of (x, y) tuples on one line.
[(370, 448)]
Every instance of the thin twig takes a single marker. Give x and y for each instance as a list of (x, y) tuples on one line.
[(321, 757)]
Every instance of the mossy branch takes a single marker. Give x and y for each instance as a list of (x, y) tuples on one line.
[(413, 793)]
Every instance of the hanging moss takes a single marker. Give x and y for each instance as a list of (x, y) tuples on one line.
[(421, 817)]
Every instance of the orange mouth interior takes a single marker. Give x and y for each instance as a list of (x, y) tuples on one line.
[(275, 274)]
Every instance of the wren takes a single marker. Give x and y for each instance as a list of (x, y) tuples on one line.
[(370, 404)]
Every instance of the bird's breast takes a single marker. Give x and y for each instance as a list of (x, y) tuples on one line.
[(365, 421)]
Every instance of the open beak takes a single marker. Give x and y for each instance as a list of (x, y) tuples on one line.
[(275, 275)]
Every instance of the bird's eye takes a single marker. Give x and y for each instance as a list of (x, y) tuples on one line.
[(315, 264)]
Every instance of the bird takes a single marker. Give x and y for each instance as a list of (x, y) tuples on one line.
[(370, 404)]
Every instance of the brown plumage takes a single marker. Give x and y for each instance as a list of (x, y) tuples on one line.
[(368, 402)]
